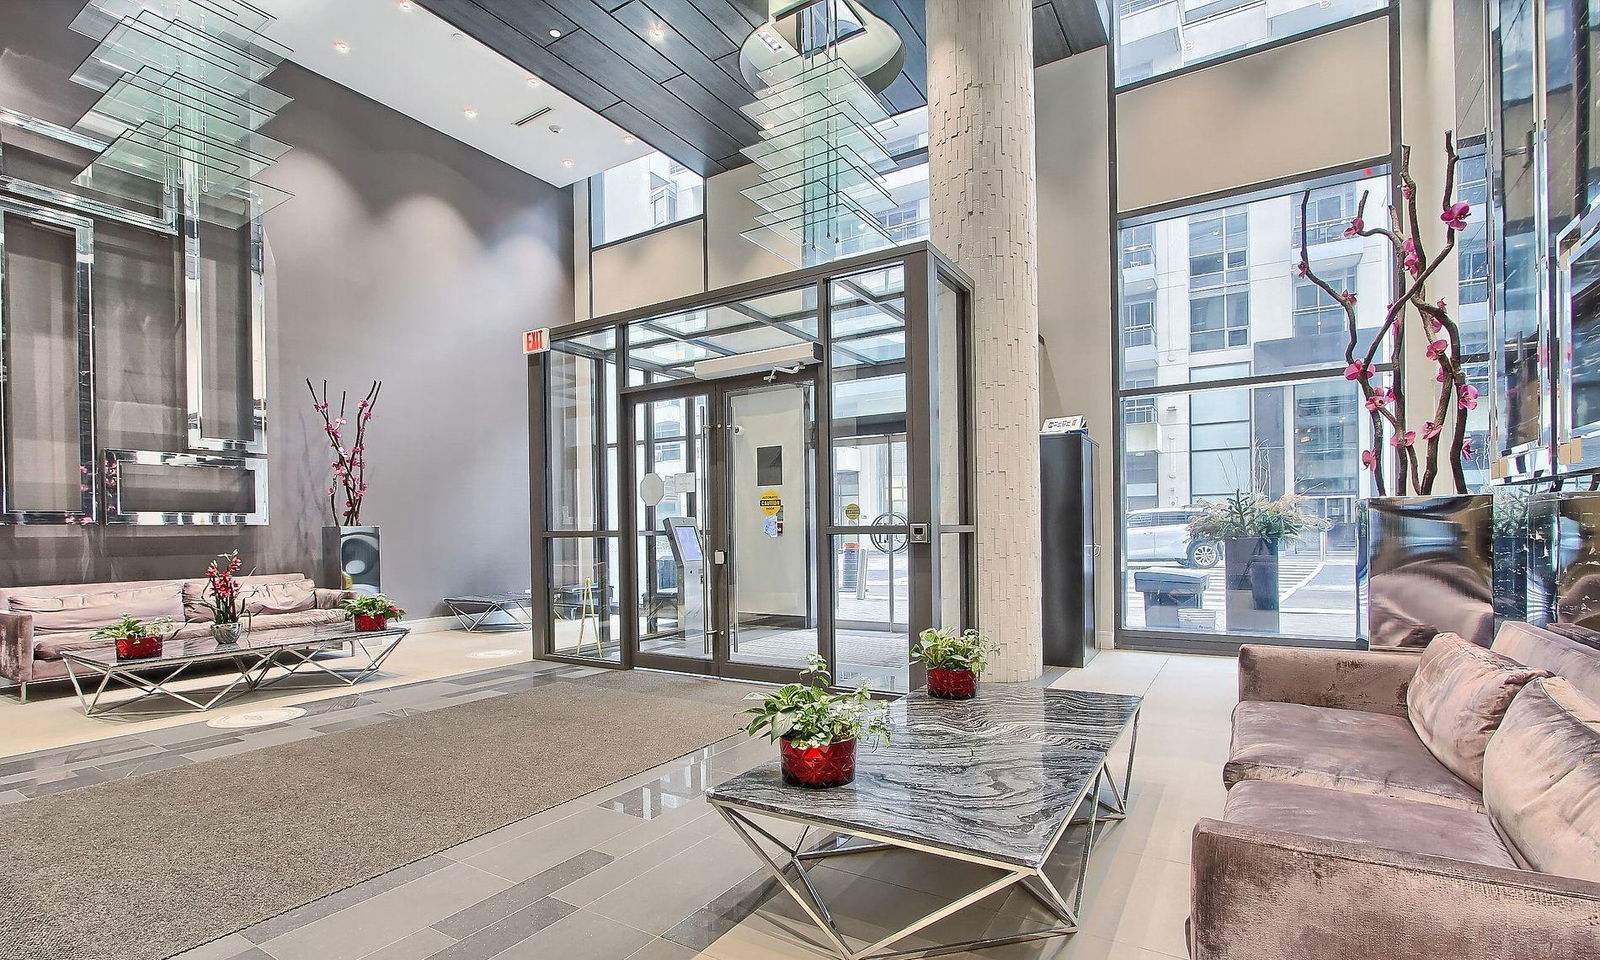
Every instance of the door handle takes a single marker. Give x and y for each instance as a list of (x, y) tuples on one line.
[(718, 557)]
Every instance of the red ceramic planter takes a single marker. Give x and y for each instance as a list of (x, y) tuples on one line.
[(366, 622), (816, 767), (138, 648), (952, 684)]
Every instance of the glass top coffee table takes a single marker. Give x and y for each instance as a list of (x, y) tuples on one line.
[(260, 659), (994, 781)]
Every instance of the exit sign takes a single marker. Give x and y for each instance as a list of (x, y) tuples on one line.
[(536, 341)]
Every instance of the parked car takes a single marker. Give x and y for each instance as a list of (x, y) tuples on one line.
[(1164, 535)]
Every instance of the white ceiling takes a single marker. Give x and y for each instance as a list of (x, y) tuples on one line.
[(415, 63)]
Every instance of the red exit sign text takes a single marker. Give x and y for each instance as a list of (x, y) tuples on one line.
[(536, 341)]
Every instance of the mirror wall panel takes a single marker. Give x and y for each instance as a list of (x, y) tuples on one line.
[(39, 160), (47, 438), (226, 339)]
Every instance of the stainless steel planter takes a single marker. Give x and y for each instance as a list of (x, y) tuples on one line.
[(350, 560), (1427, 567)]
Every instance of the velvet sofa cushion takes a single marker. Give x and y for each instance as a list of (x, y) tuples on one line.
[(1541, 779), (1576, 662), (1458, 698), (1353, 750), (279, 593), (92, 609), (52, 645), (1404, 825)]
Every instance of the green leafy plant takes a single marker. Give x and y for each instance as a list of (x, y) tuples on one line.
[(944, 649), (375, 606), (132, 628), (1253, 515), (809, 715)]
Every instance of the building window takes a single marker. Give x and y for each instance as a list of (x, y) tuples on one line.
[(642, 195), (1155, 37), (1271, 414), (1139, 320), (1317, 315)]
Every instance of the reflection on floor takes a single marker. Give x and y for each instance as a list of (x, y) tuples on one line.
[(52, 717), (645, 870), (881, 659)]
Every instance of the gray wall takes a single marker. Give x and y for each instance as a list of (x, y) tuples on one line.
[(405, 255)]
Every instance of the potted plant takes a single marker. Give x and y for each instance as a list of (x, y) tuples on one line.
[(136, 639), (817, 729), (372, 613), (1250, 527), (954, 661), (224, 597)]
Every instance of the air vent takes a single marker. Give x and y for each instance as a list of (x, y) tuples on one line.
[(532, 117)]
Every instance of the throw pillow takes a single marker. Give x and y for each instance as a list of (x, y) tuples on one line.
[(1457, 699)]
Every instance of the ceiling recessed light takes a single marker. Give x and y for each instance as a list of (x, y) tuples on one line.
[(628, 138), (406, 6), (533, 81), (555, 128), (567, 163), (556, 34), (340, 46), (471, 113), (658, 32)]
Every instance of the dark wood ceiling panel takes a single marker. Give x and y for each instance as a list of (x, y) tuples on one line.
[(681, 91), (692, 25), (687, 56), (1049, 39), (1081, 23), (533, 18)]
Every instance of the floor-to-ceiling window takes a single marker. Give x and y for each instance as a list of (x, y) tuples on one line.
[(1231, 381), (1156, 37)]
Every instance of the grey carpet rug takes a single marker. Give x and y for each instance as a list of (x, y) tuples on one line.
[(141, 869)]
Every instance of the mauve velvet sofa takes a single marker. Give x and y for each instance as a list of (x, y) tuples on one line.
[(1345, 838), (38, 623)]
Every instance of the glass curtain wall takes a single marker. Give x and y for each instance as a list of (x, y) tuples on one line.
[(1231, 382), (771, 509)]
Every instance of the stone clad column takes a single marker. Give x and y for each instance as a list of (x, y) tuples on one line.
[(984, 203)]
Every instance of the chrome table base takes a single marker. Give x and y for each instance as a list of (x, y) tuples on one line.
[(92, 679), (1104, 801)]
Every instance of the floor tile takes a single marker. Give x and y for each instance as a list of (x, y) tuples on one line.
[(327, 906), (535, 851), (503, 934), (663, 950), (665, 895), (376, 922), (581, 935), (532, 890), (422, 945), (623, 869)]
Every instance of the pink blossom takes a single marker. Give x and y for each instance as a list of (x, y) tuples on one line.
[(1355, 228), (1408, 190), (1369, 459), (1469, 397), (1403, 439), (1443, 374), (1434, 326), (1412, 262), (1304, 268), (1467, 450), (1438, 348), (1348, 296), (1455, 215), (1358, 371), (1431, 430), (1379, 399)]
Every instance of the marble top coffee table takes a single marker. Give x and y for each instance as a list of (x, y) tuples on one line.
[(260, 659), (995, 781)]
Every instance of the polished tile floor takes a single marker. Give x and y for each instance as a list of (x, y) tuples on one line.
[(52, 717), (644, 870)]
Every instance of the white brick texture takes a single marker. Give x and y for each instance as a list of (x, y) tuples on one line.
[(984, 211)]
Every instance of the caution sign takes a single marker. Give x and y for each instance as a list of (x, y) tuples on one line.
[(852, 511), (771, 503)]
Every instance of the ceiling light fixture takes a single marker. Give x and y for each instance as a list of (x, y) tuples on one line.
[(471, 113), (628, 138), (567, 163), (555, 128), (658, 32), (533, 81), (406, 6), (556, 34), (340, 46)]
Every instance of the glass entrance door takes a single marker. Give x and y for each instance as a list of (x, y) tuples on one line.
[(724, 535)]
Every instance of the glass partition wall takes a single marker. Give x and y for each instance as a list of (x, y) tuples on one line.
[(794, 484)]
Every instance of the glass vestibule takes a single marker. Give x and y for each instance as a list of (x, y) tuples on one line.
[(770, 506)]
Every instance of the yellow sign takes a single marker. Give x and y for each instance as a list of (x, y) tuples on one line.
[(771, 502), (852, 511)]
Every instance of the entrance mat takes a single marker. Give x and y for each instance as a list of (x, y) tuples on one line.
[(144, 868)]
